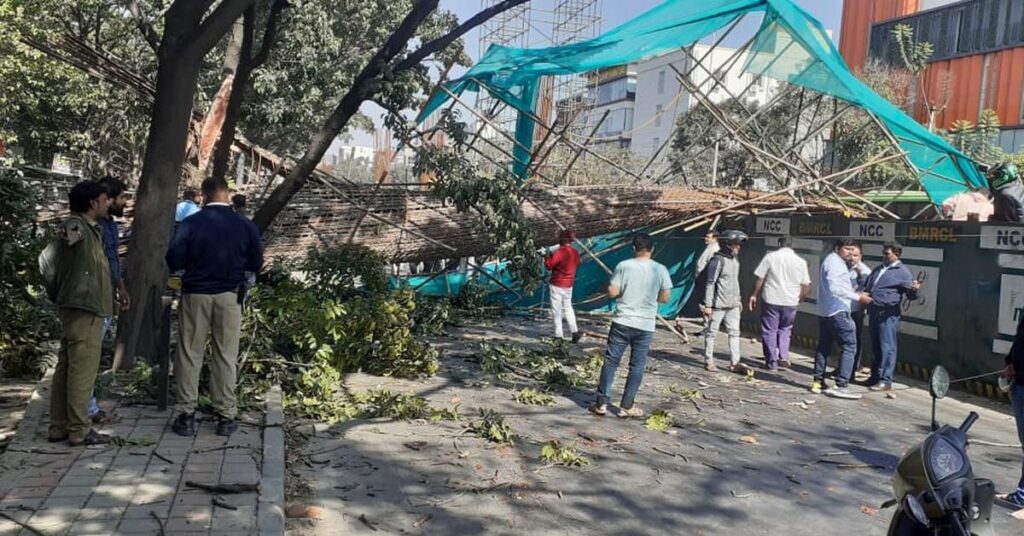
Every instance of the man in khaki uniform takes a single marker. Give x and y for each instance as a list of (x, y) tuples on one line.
[(81, 289), (215, 248)]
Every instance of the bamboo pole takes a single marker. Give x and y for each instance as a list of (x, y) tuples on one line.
[(778, 192)]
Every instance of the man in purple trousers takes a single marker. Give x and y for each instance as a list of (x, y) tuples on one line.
[(783, 278)]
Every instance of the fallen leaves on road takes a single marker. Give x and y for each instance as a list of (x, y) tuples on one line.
[(749, 439), (869, 511)]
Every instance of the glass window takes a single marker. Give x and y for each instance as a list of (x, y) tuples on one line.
[(657, 115), (655, 143), (617, 122), (661, 82), (616, 90)]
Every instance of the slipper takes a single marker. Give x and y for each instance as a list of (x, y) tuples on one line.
[(631, 412), (91, 438)]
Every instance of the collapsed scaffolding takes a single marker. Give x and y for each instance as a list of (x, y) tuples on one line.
[(410, 224)]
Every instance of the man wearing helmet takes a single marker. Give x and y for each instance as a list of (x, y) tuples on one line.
[(1007, 193), (722, 300)]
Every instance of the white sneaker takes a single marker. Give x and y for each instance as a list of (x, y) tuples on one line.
[(842, 392)]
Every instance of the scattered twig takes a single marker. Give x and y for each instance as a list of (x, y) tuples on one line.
[(991, 444), (843, 465), (40, 451), (225, 447), (162, 457), (715, 467), (25, 526), (362, 517), (223, 488), (159, 521), (219, 502)]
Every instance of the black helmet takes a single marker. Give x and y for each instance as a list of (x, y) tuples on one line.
[(732, 236)]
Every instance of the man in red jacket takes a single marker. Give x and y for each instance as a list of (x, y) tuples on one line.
[(562, 264)]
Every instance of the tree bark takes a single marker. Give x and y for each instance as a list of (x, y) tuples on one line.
[(187, 39), (246, 64)]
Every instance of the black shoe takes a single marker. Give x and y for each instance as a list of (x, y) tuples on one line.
[(185, 425), (89, 439), (576, 337), (226, 427), (98, 417)]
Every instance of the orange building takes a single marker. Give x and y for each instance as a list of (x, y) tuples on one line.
[(978, 60)]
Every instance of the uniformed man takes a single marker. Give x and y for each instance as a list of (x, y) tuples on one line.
[(215, 248), (82, 290)]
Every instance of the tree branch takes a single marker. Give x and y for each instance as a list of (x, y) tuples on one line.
[(444, 41), (213, 27), (269, 35), (144, 26)]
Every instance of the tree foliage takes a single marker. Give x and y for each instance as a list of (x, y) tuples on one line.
[(49, 107), (26, 323)]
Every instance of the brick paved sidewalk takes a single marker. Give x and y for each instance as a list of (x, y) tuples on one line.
[(134, 488)]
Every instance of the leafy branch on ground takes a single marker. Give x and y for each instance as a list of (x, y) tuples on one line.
[(659, 420), (307, 324), (558, 454), (400, 406), (492, 427), (533, 397)]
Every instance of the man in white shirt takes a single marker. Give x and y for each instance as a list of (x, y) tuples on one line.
[(711, 247), (782, 280)]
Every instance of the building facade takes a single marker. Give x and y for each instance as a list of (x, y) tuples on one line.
[(644, 100), (978, 60)]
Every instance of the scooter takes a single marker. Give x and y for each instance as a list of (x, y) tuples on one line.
[(934, 487)]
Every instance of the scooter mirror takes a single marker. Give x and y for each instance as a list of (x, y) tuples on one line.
[(939, 383)]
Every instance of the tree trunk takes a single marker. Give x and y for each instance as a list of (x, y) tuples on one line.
[(242, 70), (189, 34), (339, 118), (146, 269)]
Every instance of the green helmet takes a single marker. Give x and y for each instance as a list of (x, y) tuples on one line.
[(1002, 174)]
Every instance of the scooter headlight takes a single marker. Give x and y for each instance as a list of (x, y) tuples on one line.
[(912, 505), (944, 459)]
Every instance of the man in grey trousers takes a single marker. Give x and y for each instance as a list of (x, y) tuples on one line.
[(722, 300)]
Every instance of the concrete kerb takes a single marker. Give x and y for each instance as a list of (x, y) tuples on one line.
[(37, 405), (271, 497)]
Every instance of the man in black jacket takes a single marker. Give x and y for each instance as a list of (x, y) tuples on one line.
[(1015, 373), (215, 248)]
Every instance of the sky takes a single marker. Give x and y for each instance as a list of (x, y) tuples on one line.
[(614, 13)]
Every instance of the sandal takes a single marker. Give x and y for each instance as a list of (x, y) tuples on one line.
[(631, 412), (710, 367), (598, 409)]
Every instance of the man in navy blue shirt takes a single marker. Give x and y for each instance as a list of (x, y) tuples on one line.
[(888, 284), (215, 248), (117, 196)]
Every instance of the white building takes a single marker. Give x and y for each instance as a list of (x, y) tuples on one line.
[(644, 99), (661, 99)]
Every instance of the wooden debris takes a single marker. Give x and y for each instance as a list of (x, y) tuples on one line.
[(223, 488)]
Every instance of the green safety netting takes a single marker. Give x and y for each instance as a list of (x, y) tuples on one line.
[(678, 251), (790, 46)]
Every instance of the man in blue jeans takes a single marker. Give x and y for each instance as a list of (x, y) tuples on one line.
[(887, 285), (639, 284), (1015, 373), (835, 323)]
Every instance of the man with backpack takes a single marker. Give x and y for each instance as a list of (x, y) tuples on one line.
[(722, 300), (76, 273)]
